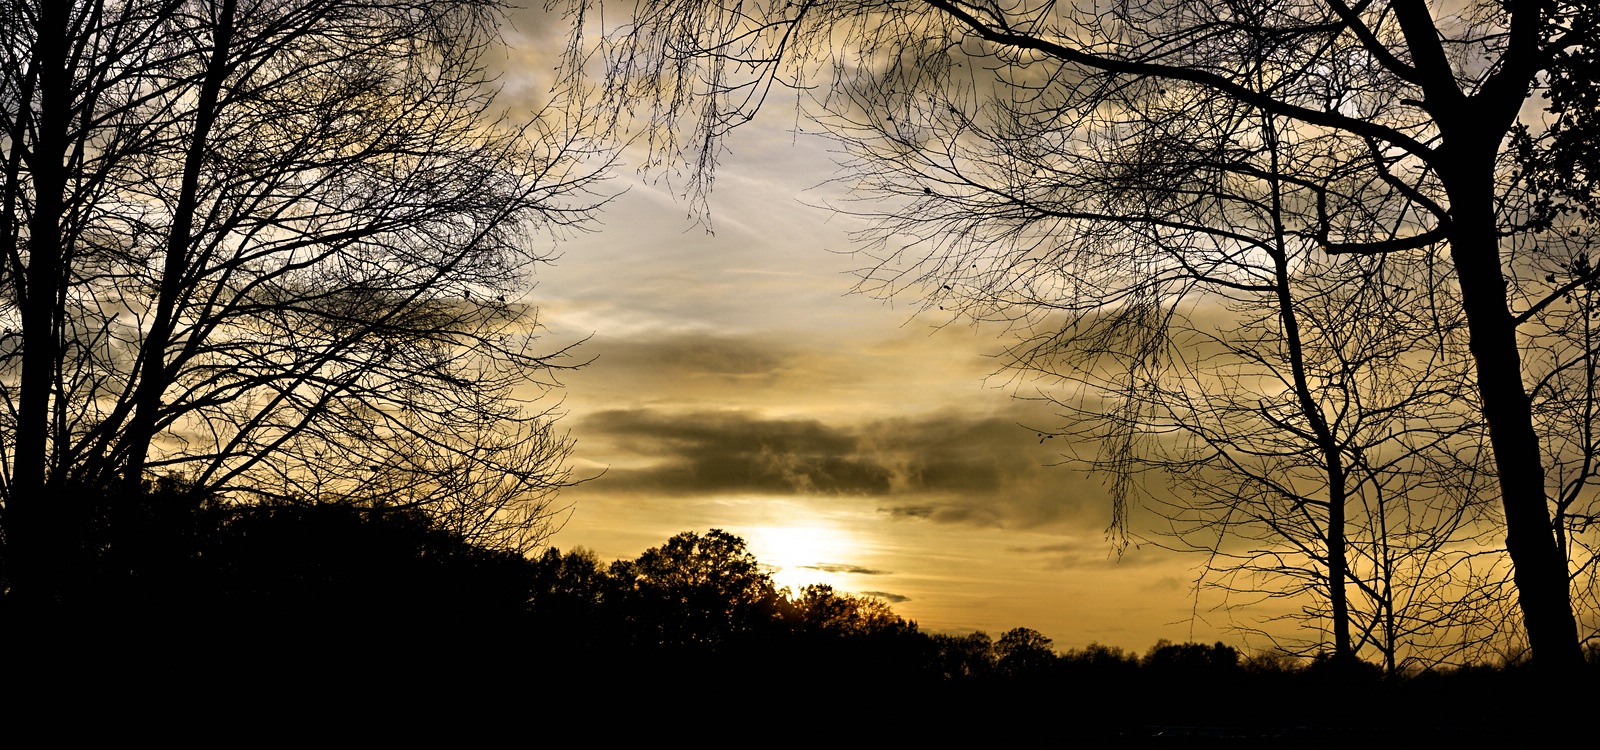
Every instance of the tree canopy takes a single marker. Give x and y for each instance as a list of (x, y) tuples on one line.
[(697, 590)]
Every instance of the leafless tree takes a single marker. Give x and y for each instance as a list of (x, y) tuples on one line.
[(1306, 408), (1397, 118), (275, 246)]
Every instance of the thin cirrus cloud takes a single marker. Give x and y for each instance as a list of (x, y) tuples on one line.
[(1083, 553), (842, 568)]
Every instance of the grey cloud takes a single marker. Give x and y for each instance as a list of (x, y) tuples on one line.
[(839, 568), (962, 511), (1168, 584), (943, 467), (1061, 548), (1086, 553), (736, 452), (886, 596), (691, 355), (910, 511)]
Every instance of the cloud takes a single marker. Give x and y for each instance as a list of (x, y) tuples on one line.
[(886, 596), (1085, 553), (963, 511), (725, 452), (840, 568), (910, 511), (674, 356), (1049, 549), (945, 467)]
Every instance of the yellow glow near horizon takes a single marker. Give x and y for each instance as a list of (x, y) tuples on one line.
[(795, 552)]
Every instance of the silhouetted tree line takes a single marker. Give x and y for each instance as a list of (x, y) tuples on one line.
[(345, 600), (696, 628)]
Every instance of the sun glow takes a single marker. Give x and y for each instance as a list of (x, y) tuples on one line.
[(802, 555)]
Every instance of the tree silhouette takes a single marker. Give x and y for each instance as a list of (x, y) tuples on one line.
[(1402, 115), (696, 591), (820, 609), (1024, 653), (274, 247), (969, 656), (1305, 409)]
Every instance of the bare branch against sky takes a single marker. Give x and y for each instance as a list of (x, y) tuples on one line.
[(276, 249), (1395, 122)]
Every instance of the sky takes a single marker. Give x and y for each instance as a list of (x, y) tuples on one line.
[(733, 380)]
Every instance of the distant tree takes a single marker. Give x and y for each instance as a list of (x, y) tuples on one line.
[(1024, 653), (188, 572), (338, 566), (575, 579), (568, 597), (965, 657), (1098, 663), (696, 591), (1191, 657), (821, 610)]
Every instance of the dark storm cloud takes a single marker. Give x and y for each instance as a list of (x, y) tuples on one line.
[(944, 468), (839, 568)]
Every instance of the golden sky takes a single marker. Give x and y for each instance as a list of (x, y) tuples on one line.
[(737, 383), (734, 381)]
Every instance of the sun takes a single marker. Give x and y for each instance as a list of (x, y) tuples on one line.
[(802, 555)]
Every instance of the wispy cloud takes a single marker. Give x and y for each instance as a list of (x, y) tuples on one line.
[(1086, 553), (841, 568)]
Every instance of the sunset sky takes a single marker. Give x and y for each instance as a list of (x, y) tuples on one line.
[(736, 382), (1246, 325)]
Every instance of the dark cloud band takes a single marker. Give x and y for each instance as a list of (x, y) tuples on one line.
[(947, 468)]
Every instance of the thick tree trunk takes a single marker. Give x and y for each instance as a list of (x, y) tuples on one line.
[(1539, 569), (39, 537)]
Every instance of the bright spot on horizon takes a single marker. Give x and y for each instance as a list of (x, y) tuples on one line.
[(802, 555)]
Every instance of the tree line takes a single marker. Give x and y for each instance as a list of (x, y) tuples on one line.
[(378, 603)]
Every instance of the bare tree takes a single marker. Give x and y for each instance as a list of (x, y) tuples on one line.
[(275, 246), (1306, 408), (1317, 454), (1401, 115)]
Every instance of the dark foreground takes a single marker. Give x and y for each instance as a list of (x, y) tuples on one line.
[(343, 623)]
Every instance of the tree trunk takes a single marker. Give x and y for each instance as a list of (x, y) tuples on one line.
[(1539, 569), (1327, 442), (38, 539), (154, 374)]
